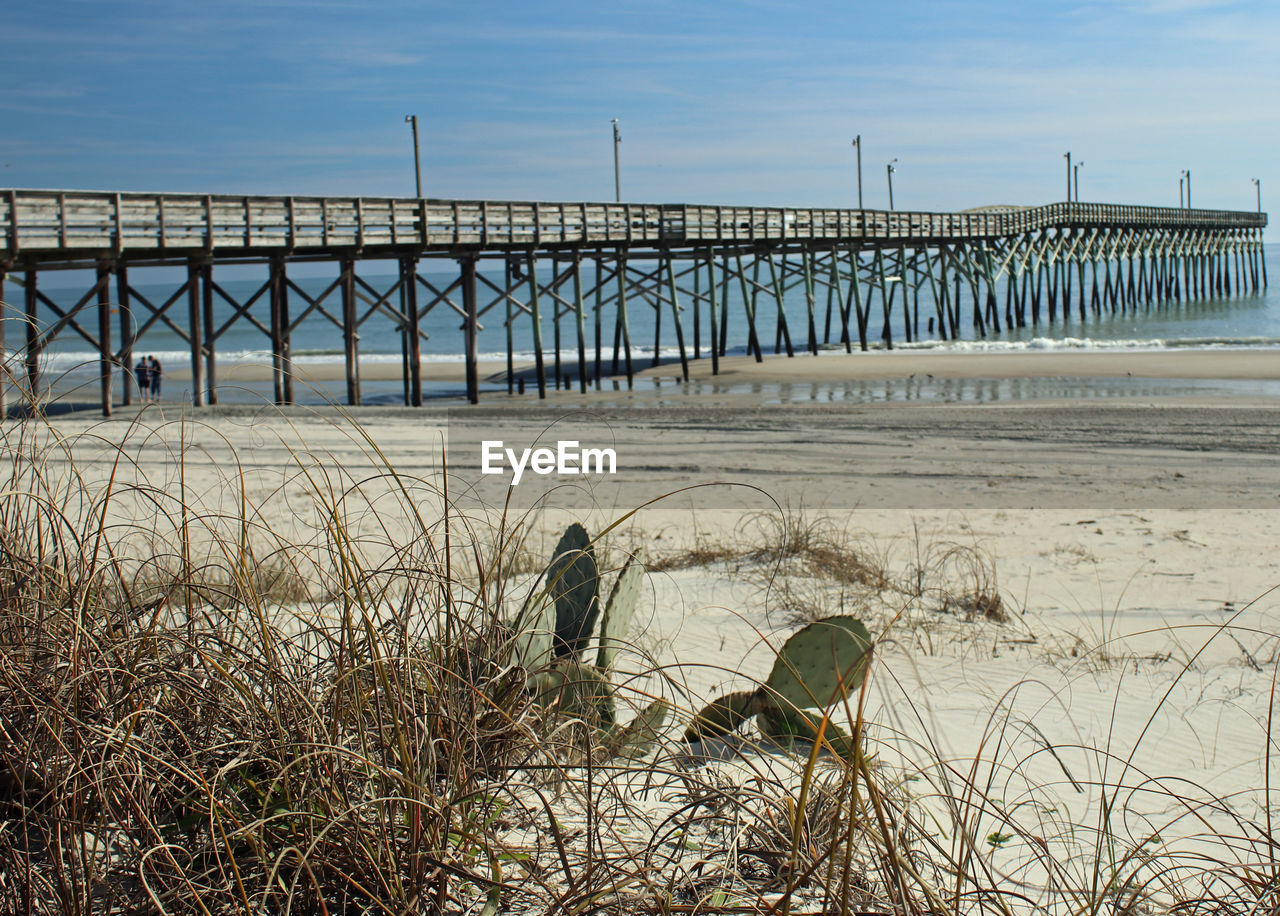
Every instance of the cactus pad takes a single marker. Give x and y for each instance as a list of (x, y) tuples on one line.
[(533, 631), (639, 736), (822, 663), (723, 715), (619, 612), (578, 691), (786, 727), (573, 582)]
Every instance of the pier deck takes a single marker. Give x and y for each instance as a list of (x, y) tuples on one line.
[(73, 226)]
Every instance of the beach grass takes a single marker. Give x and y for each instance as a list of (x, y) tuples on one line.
[(207, 711)]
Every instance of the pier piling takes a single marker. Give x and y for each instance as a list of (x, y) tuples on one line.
[(1051, 260)]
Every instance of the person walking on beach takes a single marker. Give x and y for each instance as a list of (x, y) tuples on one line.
[(156, 372), (142, 375)]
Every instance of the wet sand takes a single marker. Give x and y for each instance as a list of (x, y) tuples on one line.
[(836, 365)]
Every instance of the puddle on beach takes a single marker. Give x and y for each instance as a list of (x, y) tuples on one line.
[(672, 392)]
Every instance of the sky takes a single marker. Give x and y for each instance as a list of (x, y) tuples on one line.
[(748, 103)]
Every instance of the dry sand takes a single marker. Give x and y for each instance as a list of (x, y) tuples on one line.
[(1122, 538)]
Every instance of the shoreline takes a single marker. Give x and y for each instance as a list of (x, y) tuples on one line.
[(1237, 362), (1241, 363), (878, 376), (875, 379), (1240, 376)]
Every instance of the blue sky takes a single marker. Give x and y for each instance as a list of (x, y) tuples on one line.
[(749, 102)]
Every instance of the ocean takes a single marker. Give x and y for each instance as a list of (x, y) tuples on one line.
[(1237, 321)]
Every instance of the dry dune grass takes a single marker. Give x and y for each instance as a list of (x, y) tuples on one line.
[(201, 715)]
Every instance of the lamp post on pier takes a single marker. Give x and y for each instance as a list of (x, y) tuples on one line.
[(617, 173), (889, 170), (1257, 184), (1067, 156), (417, 167), (1075, 171), (857, 144), (1186, 173)]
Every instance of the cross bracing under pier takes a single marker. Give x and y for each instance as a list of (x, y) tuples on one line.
[(572, 278)]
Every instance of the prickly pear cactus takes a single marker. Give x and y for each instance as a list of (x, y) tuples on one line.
[(785, 727), (578, 691), (637, 738), (573, 582), (534, 629), (821, 663), (619, 612), (723, 715)]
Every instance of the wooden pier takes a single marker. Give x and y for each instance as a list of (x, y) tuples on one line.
[(862, 273)]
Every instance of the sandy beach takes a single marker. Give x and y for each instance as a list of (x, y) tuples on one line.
[(832, 364), (1131, 544)]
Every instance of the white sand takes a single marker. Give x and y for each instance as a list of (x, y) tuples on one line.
[(1134, 548)]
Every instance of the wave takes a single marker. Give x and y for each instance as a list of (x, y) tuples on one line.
[(69, 361), (1089, 343)]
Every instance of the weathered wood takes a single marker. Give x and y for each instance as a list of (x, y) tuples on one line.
[(835, 287), (806, 257), (711, 312), (409, 270), (508, 284), (556, 313), (580, 321), (33, 336), (622, 322), (902, 284), (779, 295), (197, 350), (861, 307), (675, 317), (350, 331), (599, 320), (277, 280), (886, 331), (127, 332), (471, 327), (914, 288), (1131, 254), (1262, 260), (210, 341), (722, 344), (657, 332), (143, 224), (748, 301), (938, 305), (531, 268)]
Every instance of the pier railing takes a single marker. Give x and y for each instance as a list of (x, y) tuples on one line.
[(53, 225)]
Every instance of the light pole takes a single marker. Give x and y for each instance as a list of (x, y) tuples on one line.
[(1187, 174), (1067, 156), (857, 143), (417, 167), (889, 170), (1180, 184), (617, 173), (1258, 187), (1075, 171)]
